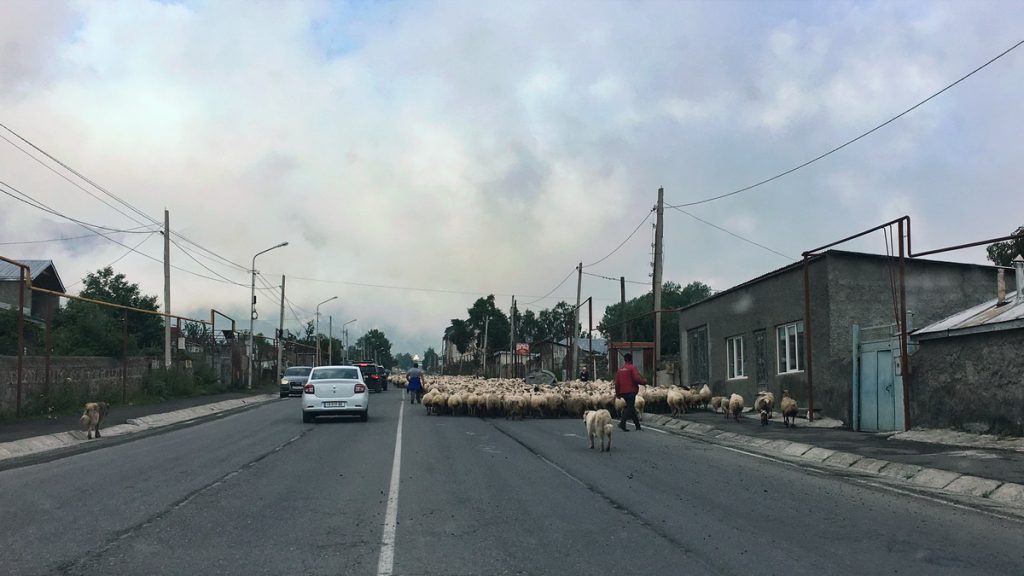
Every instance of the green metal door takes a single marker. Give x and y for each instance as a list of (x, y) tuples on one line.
[(878, 391)]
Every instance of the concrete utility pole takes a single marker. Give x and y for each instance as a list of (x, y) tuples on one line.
[(317, 356), (575, 326), (330, 340), (280, 332), (167, 288), (659, 233), (622, 307), (487, 323), (252, 310), (512, 339)]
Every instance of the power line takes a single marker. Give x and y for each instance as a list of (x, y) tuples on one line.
[(66, 238), (118, 259), (212, 271), (569, 275), (615, 279), (847, 143), (26, 199), (733, 234), (623, 243)]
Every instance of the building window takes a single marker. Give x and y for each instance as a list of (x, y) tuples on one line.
[(734, 351), (698, 348), (791, 347)]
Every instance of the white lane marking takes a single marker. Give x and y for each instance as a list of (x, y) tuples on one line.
[(387, 542), (655, 429)]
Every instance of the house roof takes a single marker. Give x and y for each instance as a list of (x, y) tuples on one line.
[(985, 317), (799, 263), (600, 344), (10, 272)]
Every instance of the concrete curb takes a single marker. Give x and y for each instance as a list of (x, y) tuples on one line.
[(48, 442), (1005, 493)]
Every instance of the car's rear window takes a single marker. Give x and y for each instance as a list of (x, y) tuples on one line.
[(367, 369), (335, 374), (297, 371)]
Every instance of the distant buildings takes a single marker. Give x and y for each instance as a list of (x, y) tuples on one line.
[(37, 305)]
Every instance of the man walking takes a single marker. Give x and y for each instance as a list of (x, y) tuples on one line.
[(627, 385), (415, 386)]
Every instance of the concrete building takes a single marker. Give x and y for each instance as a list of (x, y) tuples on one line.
[(969, 367), (751, 337), (37, 305)]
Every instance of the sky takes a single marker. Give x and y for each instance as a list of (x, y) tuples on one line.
[(442, 151)]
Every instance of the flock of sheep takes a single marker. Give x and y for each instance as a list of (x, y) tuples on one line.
[(513, 398)]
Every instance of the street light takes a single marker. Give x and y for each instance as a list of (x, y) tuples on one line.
[(317, 357), (345, 332), (252, 309)]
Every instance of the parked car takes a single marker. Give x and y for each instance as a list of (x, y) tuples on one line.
[(335, 391), (372, 376), (383, 376), (293, 379)]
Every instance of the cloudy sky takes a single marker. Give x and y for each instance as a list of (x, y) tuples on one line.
[(466, 148)]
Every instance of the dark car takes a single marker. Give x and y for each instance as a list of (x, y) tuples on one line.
[(383, 376), (372, 376), (293, 379)]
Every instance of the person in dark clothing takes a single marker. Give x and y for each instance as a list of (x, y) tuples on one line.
[(415, 385), (584, 375), (627, 385)]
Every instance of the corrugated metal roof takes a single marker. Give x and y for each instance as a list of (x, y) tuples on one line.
[(9, 271), (600, 345), (985, 317)]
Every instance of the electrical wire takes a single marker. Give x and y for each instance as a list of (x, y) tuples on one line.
[(26, 199), (59, 239), (733, 234), (848, 142), (615, 279), (118, 259), (569, 275), (623, 243)]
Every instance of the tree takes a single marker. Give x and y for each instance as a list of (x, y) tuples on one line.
[(555, 323), (1003, 253), (91, 329), (527, 327), (431, 361), (376, 346), (486, 319), (403, 360), (640, 320)]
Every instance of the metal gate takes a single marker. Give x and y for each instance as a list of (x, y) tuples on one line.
[(877, 384)]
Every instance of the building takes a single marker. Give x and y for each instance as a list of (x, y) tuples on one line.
[(751, 337), (969, 367), (44, 275)]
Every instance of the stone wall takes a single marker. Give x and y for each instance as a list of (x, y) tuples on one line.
[(973, 382), (81, 378)]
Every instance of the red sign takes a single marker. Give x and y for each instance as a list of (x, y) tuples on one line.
[(523, 349)]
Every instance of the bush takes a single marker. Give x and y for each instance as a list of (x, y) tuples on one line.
[(167, 383)]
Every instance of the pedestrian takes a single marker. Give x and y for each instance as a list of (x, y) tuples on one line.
[(584, 375), (627, 385), (415, 385)]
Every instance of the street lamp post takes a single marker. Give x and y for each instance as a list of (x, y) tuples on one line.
[(317, 356), (252, 309), (344, 328)]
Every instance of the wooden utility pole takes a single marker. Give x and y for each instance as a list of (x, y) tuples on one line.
[(575, 366), (167, 289), (659, 232), (622, 308), (487, 323), (512, 339)]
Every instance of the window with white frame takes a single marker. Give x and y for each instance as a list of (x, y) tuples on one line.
[(791, 347), (734, 352)]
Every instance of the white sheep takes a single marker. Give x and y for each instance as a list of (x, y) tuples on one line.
[(765, 403), (599, 424), (789, 410), (735, 406)]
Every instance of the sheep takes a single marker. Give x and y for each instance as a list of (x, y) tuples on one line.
[(538, 405), (716, 403), (620, 406), (789, 410), (599, 423), (639, 405), (516, 407), (764, 403), (93, 417), (735, 406), (676, 402), (705, 396)]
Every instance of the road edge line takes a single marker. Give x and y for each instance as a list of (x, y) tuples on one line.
[(386, 563)]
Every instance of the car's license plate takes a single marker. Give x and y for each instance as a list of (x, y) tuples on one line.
[(334, 404)]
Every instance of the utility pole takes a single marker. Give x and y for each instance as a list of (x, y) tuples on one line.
[(622, 308), (575, 325), (512, 339), (487, 323), (658, 266), (330, 340), (167, 289), (280, 332)]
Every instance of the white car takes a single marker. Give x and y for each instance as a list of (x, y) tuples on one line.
[(335, 391)]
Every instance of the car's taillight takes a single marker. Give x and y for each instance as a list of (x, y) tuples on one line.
[(308, 389), (360, 388)]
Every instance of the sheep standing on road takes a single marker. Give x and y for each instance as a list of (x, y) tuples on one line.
[(599, 424), (789, 410), (735, 406), (764, 404)]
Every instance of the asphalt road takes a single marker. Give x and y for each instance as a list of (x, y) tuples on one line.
[(259, 492)]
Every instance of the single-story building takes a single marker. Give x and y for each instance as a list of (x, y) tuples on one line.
[(751, 337), (44, 275), (643, 355), (969, 367)]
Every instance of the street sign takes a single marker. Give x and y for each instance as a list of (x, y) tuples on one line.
[(523, 349)]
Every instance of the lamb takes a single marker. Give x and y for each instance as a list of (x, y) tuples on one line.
[(705, 396), (93, 417), (764, 404), (735, 406), (599, 423), (789, 410), (676, 401)]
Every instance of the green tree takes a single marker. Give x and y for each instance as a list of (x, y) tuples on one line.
[(640, 320), (486, 319), (527, 327), (403, 360), (94, 330), (1003, 253), (375, 345), (431, 361), (555, 323)]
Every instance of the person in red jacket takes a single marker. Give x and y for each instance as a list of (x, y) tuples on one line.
[(627, 385)]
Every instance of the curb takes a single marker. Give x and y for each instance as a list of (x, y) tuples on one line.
[(49, 442), (1005, 493)]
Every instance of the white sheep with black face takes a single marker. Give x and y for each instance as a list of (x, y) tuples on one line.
[(764, 404)]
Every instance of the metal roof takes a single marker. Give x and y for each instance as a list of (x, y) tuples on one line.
[(985, 317), (9, 271), (600, 345)]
